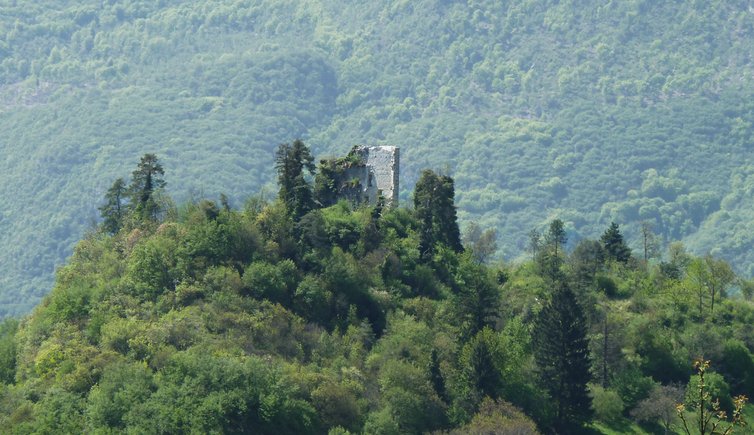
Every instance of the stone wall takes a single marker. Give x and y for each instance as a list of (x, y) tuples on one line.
[(375, 174), (382, 169)]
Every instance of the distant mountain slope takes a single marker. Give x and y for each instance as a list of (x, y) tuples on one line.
[(626, 111)]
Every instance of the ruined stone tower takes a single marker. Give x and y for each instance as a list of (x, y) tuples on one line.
[(380, 176), (362, 176)]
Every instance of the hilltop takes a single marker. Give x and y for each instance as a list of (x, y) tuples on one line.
[(287, 316), (589, 111)]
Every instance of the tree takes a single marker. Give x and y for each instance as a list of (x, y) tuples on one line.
[(696, 277), (659, 406), (498, 417), (556, 236), (561, 351), (550, 256), (291, 163), (114, 209), (709, 277), (648, 241), (477, 299), (707, 408), (534, 243), (482, 244), (615, 248), (145, 180), (435, 376), (720, 276), (8, 328), (435, 209), (480, 358), (586, 261)]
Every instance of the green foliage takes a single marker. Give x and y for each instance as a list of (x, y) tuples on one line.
[(715, 386), (562, 355), (114, 209), (498, 417), (632, 386), (145, 181), (607, 404), (704, 394), (274, 282), (291, 162), (8, 351), (482, 359), (119, 393), (533, 117), (613, 245), (413, 405), (737, 366), (225, 321), (435, 209), (477, 298)]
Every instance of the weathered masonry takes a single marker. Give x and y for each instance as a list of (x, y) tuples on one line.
[(363, 176)]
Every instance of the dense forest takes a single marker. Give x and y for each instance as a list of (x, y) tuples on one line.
[(286, 316), (589, 112)]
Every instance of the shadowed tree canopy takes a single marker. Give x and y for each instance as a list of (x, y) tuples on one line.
[(436, 211), (291, 162), (145, 180), (114, 209), (615, 248), (561, 350)]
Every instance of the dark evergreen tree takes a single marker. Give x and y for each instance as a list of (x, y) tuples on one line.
[(435, 376), (435, 209), (561, 350), (114, 209), (615, 248), (291, 162), (477, 299), (145, 180), (479, 358)]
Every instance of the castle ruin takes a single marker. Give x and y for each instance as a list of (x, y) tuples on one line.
[(365, 175)]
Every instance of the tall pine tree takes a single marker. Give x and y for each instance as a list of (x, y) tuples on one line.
[(291, 162), (434, 206), (562, 354), (145, 180), (615, 248), (114, 209)]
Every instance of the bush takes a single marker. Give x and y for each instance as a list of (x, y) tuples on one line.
[(715, 386), (607, 404)]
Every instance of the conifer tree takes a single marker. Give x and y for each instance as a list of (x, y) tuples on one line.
[(561, 350), (145, 180), (480, 361), (435, 376), (291, 162), (435, 209), (114, 209), (476, 298), (615, 248)]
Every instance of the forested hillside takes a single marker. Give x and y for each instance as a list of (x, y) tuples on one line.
[(588, 111), (288, 317)]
